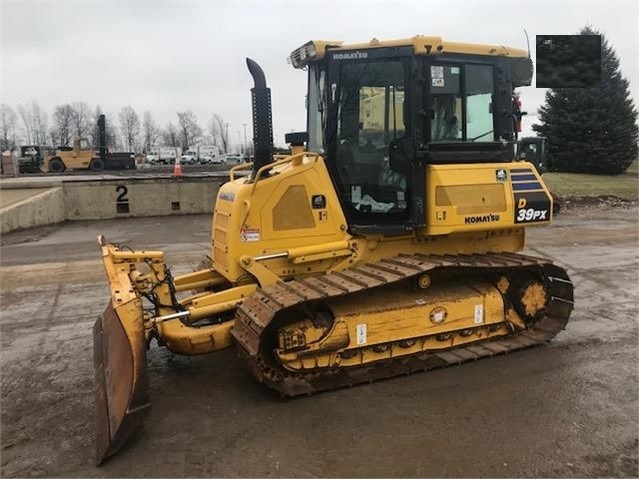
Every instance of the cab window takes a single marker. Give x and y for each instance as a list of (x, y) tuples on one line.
[(446, 103), (479, 98), (461, 103)]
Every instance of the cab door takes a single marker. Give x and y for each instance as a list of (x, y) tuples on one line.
[(369, 112), (86, 152)]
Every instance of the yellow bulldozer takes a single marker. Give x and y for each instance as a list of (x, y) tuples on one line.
[(386, 243)]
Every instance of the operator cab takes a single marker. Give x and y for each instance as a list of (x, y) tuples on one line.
[(380, 112), (79, 144)]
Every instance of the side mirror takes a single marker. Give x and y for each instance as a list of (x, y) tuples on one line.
[(521, 71), (297, 138)]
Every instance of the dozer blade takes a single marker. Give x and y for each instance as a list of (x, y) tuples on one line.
[(121, 382)]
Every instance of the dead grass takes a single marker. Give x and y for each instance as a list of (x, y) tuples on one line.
[(567, 185)]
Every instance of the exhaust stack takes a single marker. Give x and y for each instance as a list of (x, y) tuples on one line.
[(102, 137), (262, 118)]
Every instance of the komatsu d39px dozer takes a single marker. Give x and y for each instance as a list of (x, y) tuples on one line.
[(386, 243)]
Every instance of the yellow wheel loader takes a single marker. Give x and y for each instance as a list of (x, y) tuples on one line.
[(386, 243)]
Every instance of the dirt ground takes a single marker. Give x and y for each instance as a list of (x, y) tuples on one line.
[(570, 408)]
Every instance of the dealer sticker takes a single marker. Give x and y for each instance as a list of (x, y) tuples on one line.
[(361, 334), (248, 235)]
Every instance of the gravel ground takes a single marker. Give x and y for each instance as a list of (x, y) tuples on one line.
[(567, 409)]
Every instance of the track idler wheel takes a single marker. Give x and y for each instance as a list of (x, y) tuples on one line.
[(529, 297)]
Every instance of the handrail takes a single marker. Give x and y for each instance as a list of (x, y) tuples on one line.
[(243, 166), (279, 160), (283, 161)]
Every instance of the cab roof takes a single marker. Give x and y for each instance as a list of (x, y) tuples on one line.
[(422, 45)]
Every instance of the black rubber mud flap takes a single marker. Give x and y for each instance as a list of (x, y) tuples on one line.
[(121, 381)]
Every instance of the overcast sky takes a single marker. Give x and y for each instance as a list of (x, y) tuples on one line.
[(166, 57)]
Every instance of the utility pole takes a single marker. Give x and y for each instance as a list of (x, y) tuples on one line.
[(239, 141), (227, 138)]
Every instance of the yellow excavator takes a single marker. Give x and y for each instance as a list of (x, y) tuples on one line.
[(386, 243)]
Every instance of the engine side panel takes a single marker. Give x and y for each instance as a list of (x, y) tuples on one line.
[(293, 207), (489, 196)]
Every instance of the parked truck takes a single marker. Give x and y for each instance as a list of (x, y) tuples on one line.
[(203, 155), (163, 155), (82, 155)]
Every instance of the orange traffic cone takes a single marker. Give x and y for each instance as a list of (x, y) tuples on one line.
[(177, 169)]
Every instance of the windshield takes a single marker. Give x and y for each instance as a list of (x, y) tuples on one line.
[(316, 108), (461, 102)]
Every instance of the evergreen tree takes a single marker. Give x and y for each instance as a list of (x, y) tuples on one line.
[(591, 130)]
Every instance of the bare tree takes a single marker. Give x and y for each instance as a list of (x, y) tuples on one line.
[(171, 135), (34, 123), (112, 137), (190, 131), (80, 116), (26, 115), (62, 125), (150, 131), (129, 126), (8, 122), (211, 132), (218, 130), (54, 137), (40, 124)]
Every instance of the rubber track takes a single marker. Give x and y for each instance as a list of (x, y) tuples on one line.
[(256, 313)]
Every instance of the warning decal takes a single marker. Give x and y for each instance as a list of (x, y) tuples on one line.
[(249, 235)]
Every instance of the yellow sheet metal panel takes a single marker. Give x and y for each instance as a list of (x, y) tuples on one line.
[(422, 45), (485, 197), (479, 49), (472, 199), (220, 259), (219, 237), (293, 210), (297, 207), (393, 315)]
